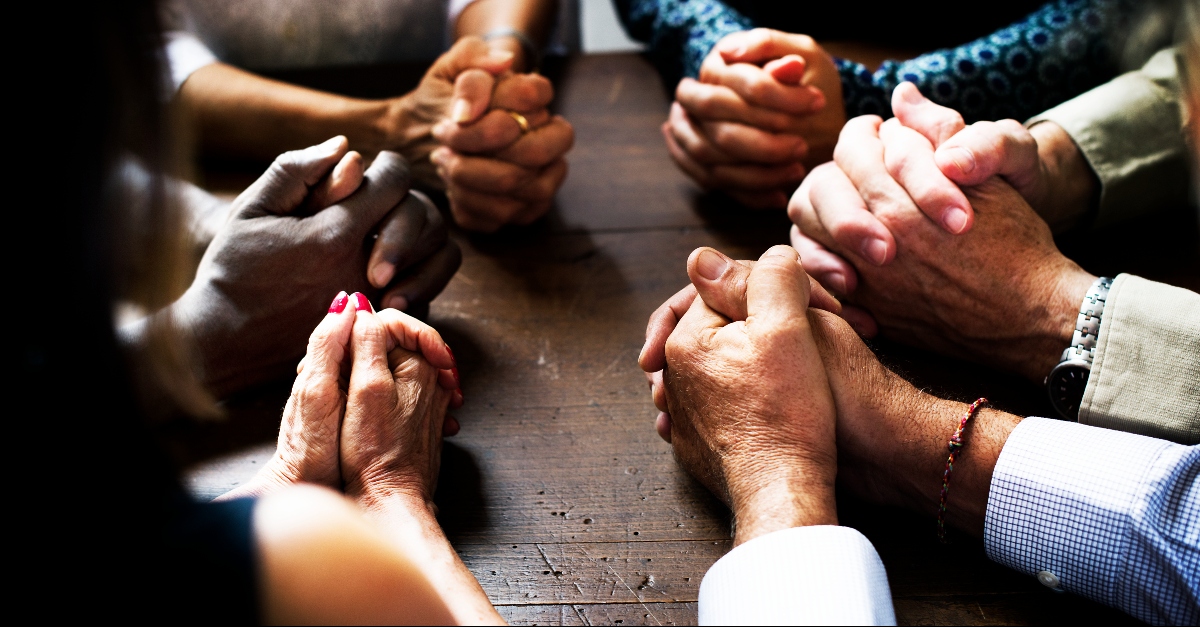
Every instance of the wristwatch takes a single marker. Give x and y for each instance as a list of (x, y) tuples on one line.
[(1069, 378)]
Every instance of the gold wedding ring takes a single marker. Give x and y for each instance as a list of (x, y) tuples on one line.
[(521, 121)]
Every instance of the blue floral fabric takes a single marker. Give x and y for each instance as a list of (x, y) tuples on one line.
[(1059, 51)]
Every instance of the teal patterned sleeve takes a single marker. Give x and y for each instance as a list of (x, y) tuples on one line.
[(1056, 53), (680, 33)]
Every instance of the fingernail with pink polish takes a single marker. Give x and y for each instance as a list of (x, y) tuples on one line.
[(361, 302), (339, 303)]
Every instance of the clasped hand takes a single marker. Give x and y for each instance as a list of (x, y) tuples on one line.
[(493, 169), (368, 408), (767, 108), (925, 225)]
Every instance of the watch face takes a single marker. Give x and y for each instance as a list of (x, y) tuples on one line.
[(1066, 384)]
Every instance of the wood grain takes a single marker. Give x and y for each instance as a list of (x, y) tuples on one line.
[(557, 492)]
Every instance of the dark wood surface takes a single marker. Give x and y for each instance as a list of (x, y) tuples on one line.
[(557, 493)]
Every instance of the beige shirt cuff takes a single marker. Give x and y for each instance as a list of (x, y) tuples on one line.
[(1130, 130), (1146, 375)]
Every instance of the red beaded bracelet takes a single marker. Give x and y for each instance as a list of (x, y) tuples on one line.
[(956, 444)]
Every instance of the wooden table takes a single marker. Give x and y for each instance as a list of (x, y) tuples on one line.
[(557, 493)]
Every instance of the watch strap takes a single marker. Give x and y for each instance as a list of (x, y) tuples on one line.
[(1087, 325)]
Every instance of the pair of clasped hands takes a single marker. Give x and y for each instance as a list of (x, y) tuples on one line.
[(766, 109), (497, 150), (368, 408), (766, 391)]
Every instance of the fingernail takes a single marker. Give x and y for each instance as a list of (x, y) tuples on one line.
[(438, 155), (642, 352), (955, 220), (801, 150), (875, 250), (453, 361), (442, 128), (818, 102), (711, 264), (962, 159), (397, 302), (460, 111), (382, 273), (339, 303), (457, 380), (911, 94), (361, 302), (836, 281), (331, 145), (798, 171), (500, 56)]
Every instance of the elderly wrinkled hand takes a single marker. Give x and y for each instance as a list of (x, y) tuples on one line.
[(751, 414), (1001, 293), (501, 158), (766, 108), (340, 432)]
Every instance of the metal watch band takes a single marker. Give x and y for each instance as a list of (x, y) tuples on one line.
[(533, 53), (1087, 325)]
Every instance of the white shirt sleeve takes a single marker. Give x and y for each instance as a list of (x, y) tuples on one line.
[(819, 575), (186, 54), (1111, 516)]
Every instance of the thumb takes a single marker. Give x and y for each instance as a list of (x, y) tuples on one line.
[(472, 95), (935, 122), (720, 281), (287, 183), (777, 289), (788, 70), (471, 52)]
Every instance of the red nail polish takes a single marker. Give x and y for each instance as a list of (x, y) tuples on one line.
[(361, 302), (453, 361), (457, 381), (339, 303)]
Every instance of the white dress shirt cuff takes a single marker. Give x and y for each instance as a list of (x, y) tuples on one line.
[(1101, 513), (819, 575), (186, 54)]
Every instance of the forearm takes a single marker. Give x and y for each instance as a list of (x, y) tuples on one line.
[(241, 114), (906, 466), (534, 18), (409, 522)]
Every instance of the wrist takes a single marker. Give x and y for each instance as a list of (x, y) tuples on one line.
[(798, 495), (391, 499), (1058, 312), (1071, 187), (918, 460)]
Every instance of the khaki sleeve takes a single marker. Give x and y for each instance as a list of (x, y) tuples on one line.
[(1146, 374), (1130, 130)]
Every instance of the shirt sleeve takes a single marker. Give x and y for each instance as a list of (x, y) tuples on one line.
[(1145, 376), (186, 54), (819, 575), (679, 33), (1055, 53), (1130, 130), (1112, 516)]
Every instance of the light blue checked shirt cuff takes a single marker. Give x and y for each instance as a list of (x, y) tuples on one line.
[(1111, 516), (819, 575)]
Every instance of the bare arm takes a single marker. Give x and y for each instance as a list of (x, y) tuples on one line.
[(535, 18), (238, 113)]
